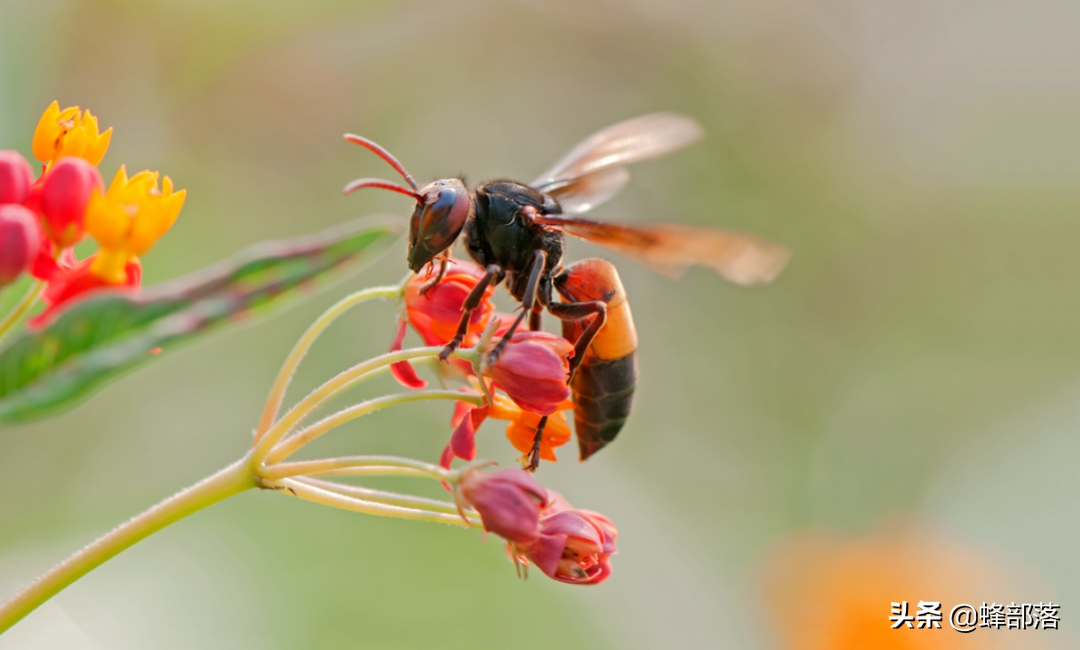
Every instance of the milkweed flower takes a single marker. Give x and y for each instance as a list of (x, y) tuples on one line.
[(435, 315), (573, 545), (20, 239), (62, 198), (521, 430), (509, 502), (533, 369), (69, 132), (128, 218), (15, 178), (79, 281)]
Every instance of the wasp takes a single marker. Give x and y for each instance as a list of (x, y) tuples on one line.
[(515, 231)]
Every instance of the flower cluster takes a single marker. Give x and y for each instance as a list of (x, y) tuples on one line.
[(527, 381), (42, 218), (568, 544)]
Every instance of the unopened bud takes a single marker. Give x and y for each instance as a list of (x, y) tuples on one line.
[(15, 178), (65, 193), (20, 239)]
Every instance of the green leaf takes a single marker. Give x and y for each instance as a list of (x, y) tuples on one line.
[(95, 339)]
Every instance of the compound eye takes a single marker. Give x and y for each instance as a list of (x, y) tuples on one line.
[(437, 222), (437, 215)]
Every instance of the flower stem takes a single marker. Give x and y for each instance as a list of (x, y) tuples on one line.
[(287, 470), (25, 304), (381, 496), (338, 384), (277, 392), (311, 493), (230, 481), (291, 445)]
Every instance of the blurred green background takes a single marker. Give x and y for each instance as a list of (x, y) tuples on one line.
[(920, 357)]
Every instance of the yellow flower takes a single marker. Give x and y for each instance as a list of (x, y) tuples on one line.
[(129, 218), (69, 133)]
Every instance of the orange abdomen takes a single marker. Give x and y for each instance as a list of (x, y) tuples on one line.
[(603, 387)]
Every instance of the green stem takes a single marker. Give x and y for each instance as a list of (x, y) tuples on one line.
[(25, 303), (338, 384), (290, 446), (277, 393), (381, 496), (288, 470), (230, 481), (311, 493)]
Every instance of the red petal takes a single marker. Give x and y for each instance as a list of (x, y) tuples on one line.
[(403, 370)]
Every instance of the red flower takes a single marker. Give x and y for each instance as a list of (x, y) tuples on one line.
[(435, 316), (521, 431), (20, 240), (574, 546), (15, 178), (62, 196), (509, 502), (533, 370), (78, 282)]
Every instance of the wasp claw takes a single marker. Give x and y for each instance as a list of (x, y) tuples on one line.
[(445, 353)]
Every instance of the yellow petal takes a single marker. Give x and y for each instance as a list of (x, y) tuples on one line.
[(119, 182), (97, 150), (46, 133), (106, 221), (109, 265)]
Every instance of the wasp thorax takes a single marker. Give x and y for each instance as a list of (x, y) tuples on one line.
[(440, 214)]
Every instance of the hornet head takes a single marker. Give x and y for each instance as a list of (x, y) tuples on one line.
[(441, 207)]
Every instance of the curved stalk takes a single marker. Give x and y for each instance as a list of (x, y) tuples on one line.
[(287, 470), (288, 369), (310, 493), (389, 498), (341, 382), (295, 443), (230, 481)]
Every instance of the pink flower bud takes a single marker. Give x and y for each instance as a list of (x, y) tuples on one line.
[(533, 371), (15, 178), (573, 546), (65, 193), (509, 502), (20, 239)]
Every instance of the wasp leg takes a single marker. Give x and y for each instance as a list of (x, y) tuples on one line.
[(431, 284), (570, 311), (472, 301), (535, 319), (534, 453), (579, 311), (528, 301)]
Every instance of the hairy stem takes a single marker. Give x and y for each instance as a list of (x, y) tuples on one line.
[(309, 492), (277, 392), (381, 496), (230, 481), (287, 470), (291, 445), (338, 384)]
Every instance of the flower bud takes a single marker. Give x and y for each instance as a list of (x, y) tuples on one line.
[(533, 370), (20, 239), (509, 502), (15, 178), (65, 193), (573, 546)]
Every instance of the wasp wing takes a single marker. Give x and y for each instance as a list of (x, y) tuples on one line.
[(593, 171), (669, 249)]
